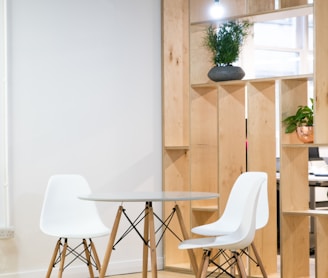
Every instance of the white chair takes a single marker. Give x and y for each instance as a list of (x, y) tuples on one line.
[(229, 220), (66, 217), (233, 230)]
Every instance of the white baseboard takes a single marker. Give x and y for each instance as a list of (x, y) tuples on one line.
[(114, 268)]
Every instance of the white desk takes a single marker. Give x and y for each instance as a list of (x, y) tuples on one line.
[(149, 225)]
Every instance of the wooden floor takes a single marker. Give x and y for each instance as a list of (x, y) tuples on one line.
[(161, 274), (168, 274)]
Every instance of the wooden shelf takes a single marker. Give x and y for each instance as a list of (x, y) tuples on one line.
[(212, 84), (205, 208), (309, 212), (180, 268), (172, 148), (302, 145)]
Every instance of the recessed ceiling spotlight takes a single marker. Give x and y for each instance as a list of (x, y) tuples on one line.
[(216, 10)]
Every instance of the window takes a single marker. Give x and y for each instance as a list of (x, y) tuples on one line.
[(281, 47)]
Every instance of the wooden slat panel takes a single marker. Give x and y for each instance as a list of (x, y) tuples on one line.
[(257, 6), (175, 76), (262, 157), (321, 58), (203, 167), (176, 170), (176, 177), (200, 59), (321, 247), (294, 187), (292, 3), (294, 192), (232, 138), (295, 246)]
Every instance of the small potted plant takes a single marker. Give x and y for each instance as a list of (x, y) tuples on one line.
[(225, 44), (301, 122)]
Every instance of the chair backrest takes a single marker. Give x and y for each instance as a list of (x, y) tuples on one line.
[(262, 211), (236, 200), (64, 214), (231, 218), (244, 235)]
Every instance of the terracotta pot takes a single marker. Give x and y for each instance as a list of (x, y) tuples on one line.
[(305, 133)]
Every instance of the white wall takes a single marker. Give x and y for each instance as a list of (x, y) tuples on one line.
[(84, 97)]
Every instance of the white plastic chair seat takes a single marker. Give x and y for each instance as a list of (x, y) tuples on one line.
[(231, 242), (216, 228), (92, 230)]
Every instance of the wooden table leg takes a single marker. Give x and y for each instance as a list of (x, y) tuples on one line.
[(152, 239), (111, 243), (145, 247), (185, 235)]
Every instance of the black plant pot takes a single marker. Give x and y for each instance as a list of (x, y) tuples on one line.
[(225, 73)]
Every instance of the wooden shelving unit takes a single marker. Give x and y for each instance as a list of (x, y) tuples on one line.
[(176, 115), (204, 134)]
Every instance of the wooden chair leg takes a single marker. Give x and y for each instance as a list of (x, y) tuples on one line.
[(202, 270), (62, 260), (88, 257), (259, 261), (240, 265), (53, 258), (95, 255), (63, 256)]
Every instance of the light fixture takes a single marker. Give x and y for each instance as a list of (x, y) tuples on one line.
[(216, 10)]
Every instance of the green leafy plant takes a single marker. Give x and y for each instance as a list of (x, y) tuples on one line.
[(302, 117), (225, 42)]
